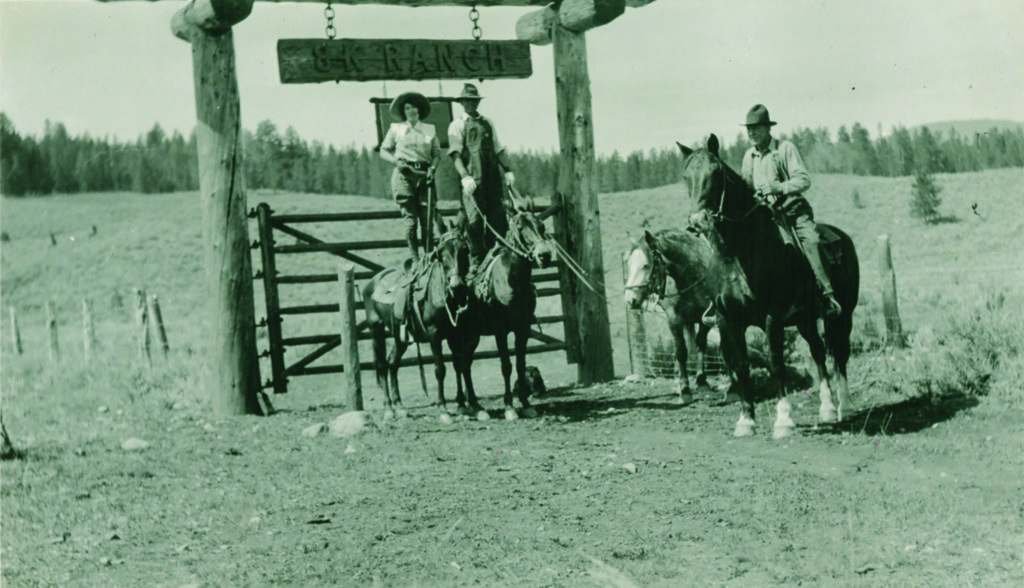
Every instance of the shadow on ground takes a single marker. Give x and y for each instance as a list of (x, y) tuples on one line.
[(911, 415)]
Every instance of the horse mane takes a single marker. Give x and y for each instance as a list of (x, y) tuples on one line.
[(684, 248)]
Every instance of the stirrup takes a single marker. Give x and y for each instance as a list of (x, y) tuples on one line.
[(832, 307), (709, 319)]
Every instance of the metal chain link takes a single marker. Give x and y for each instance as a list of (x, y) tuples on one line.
[(330, 31), (474, 16)]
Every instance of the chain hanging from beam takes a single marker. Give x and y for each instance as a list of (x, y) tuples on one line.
[(474, 17), (329, 30)]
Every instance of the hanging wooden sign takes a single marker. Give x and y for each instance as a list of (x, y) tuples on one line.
[(303, 61)]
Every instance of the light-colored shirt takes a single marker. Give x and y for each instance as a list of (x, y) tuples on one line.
[(780, 162), (457, 137), (412, 143)]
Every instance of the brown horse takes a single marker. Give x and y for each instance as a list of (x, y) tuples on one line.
[(770, 285), (680, 270), (426, 299), (503, 299)]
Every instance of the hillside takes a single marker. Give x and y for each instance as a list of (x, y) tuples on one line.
[(154, 241)]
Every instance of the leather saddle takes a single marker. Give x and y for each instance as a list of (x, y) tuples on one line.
[(828, 240), (405, 288)]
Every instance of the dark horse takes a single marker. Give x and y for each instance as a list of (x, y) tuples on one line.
[(680, 270), (428, 298), (503, 301), (770, 285)]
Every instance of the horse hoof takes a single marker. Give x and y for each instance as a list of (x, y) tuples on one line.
[(445, 418), (828, 415), (685, 399), (530, 413), (389, 414), (783, 431), (483, 416), (743, 430), (744, 427), (511, 414)]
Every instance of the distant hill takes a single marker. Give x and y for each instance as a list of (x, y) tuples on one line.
[(967, 128)]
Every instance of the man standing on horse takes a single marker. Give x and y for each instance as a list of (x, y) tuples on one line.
[(776, 171), (483, 165)]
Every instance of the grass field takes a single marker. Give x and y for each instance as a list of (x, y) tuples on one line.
[(913, 490)]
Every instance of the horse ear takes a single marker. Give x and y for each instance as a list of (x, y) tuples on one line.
[(648, 237), (712, 144), (686, 150)]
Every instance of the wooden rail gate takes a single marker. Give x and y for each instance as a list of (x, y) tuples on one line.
[(548, 283)]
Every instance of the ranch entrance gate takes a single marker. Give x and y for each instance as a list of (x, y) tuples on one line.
[(232, 377), (359, 253)]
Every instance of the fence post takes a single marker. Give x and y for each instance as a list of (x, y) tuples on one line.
[(141, 321), (51, 327), (88, 330), (15, 333), (350, 337), (890, 309), (156, 323)]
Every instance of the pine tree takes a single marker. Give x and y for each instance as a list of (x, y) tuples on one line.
[(925, 200)]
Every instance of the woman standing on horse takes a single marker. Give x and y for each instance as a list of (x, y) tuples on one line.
[(412, 146)]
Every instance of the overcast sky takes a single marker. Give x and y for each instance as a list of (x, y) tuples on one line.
[(674, 70)]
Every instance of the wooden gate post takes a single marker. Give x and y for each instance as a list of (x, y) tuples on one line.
[(15, 333), (156, 324), (273, 305), (890, 309), (350, 337), (580, 209), (142, 325), (51, 328), (88, 331), (233, 372)]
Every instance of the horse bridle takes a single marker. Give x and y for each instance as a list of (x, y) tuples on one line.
[(515, 241), (656, 280), (436, 253), (720, 215)]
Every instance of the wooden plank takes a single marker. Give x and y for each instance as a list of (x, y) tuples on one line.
[(319, 278), (579, 16), (303, 61), (371, 265), (209, 15), (446, 209), (421, 3), (340, 246)]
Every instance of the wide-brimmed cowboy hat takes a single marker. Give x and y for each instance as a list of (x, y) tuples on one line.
[(418, 100), (758, 115), (470, 92)]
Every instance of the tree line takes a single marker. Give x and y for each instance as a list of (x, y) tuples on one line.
[(156, 162)]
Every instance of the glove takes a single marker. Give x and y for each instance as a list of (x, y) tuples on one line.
[(430, 174), (468, 186), (510, 178)]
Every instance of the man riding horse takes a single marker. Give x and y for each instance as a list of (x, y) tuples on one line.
[(776, 172)]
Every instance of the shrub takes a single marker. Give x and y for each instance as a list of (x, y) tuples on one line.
[(978, 350)]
